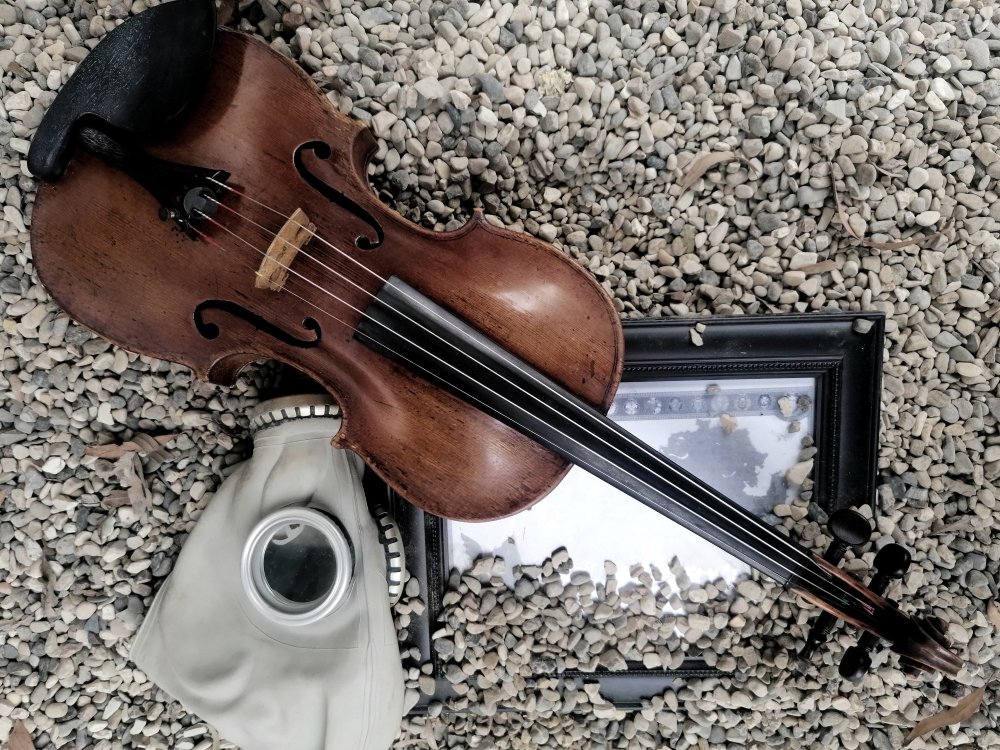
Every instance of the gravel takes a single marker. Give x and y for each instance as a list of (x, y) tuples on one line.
[(576, 123)]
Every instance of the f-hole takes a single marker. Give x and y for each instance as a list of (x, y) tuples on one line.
[(211, 330), (322, 151)]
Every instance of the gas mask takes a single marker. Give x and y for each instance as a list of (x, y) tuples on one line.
[(275, 625)]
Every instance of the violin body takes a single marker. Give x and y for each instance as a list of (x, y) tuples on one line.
[(107, 259)]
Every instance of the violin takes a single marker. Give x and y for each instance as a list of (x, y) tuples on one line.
[(202, 202)]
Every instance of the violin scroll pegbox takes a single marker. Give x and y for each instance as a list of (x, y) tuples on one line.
[(891, 563), (849, 529), (920, 643)]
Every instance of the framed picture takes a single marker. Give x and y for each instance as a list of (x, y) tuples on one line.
[(751, 409)]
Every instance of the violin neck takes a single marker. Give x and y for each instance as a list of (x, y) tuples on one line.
[(417, 333)]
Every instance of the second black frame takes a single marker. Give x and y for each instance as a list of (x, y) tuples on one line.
[(842, 351)]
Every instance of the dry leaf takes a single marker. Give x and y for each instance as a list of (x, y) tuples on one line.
[(962, 524), (129, 472), (919, 240), (822, 267), (704, 162), (428, 735), (140, 444), (115, 499), (964, 709), (993, 615), (20, 739), (841, 212), (887, 173)]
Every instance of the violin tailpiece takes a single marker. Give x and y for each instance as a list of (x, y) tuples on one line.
[(273, 271)]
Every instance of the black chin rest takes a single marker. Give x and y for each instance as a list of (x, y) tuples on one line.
[(137, 79)]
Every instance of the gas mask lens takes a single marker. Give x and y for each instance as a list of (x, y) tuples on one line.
[(297, 565)]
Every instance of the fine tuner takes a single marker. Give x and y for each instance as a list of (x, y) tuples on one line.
[(213, 209)]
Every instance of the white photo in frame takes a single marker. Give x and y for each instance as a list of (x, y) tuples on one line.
[(739, 435)]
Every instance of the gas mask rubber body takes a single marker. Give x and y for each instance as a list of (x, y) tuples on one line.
[(275, 625)]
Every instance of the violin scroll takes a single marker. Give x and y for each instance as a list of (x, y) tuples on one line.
[(932, 643)]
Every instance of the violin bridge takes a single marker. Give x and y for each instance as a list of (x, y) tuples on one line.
[(273, 271)]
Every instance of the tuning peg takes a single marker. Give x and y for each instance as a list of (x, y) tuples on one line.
[(909, 667), (857, 659), (890, 563), (849, 529)]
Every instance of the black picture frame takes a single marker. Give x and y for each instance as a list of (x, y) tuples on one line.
[(842, 351)]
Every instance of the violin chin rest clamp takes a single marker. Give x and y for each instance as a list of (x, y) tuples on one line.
[(167, 52)]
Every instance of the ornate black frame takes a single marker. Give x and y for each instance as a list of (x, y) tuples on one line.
[(842, 351)]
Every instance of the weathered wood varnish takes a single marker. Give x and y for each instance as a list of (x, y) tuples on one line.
[(145, 279)]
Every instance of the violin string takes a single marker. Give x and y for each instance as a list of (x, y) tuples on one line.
[(804, 556), (256, 271), (812, 568), (416, 366), (650, 453)]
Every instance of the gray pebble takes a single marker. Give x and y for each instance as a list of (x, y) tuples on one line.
[(760, 125), (978, 53), (767, 222), (806, 195), (372, 17), (980, 584), (34, 18), (490, 86)]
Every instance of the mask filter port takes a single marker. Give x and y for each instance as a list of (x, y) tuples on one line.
[(297, 566)]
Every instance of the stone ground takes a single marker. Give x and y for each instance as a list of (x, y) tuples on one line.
[(849, 126)]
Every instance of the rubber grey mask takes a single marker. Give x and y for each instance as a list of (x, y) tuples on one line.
[(233, 633)]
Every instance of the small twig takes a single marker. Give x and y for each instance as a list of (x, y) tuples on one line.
[(141, 443), (841, 213), (919, 240), (887, 173), (703, 162)]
